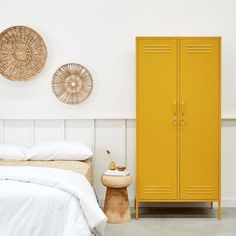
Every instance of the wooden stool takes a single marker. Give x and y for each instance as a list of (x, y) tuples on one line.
[(116, 206)]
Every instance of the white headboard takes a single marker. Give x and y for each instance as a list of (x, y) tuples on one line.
[(29, 131)]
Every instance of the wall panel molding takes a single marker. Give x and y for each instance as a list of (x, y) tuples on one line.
[(117, 135)]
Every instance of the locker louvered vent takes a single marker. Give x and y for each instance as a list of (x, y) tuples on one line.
[(157, 48), (157, 189), (199, 48), (199, 190)]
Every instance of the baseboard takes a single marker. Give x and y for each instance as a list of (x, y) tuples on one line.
[(229, 202), (226, 202)]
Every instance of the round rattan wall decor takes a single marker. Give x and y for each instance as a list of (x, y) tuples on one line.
[(72, 83), (23, 53)]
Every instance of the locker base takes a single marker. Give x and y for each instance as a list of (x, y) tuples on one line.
[(136, 205)]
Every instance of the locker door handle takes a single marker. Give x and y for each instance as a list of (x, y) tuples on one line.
[(174, 119), (182, 119)]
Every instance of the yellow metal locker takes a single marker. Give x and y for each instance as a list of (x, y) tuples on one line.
[(178, 119), (156, 91)]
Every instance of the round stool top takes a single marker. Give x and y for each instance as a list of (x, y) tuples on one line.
[(116, 181)]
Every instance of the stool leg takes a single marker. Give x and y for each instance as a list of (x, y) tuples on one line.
[(116, 205)]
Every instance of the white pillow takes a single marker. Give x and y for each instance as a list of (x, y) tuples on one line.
[(13, 152), (59, 150)]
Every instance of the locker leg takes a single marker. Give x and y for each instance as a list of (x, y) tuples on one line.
[(211, 205), (219, 210), (136, 209)]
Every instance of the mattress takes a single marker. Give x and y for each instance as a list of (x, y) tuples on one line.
[(81, 167)]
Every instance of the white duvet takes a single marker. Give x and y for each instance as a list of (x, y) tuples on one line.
[(38, 201)]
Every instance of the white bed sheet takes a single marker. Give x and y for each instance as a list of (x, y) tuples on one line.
[(36, 201)]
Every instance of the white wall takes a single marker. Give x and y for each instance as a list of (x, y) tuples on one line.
[(228, 162), (101, 36), (92, 33)]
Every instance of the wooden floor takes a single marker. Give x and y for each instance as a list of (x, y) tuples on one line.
[(177, 222)]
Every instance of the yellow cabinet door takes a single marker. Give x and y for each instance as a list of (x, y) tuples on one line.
[(199, 118), (156, 109)]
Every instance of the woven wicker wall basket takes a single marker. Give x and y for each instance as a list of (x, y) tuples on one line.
[(23, 53), (72, 83)]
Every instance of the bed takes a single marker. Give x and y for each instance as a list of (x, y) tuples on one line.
[(48, 198)]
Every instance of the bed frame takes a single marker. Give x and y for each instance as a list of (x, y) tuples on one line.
[(81, 167)]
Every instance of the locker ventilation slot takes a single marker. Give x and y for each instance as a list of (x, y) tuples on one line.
[(199, 190), (157, 48), (199, 48), (158, 189)]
